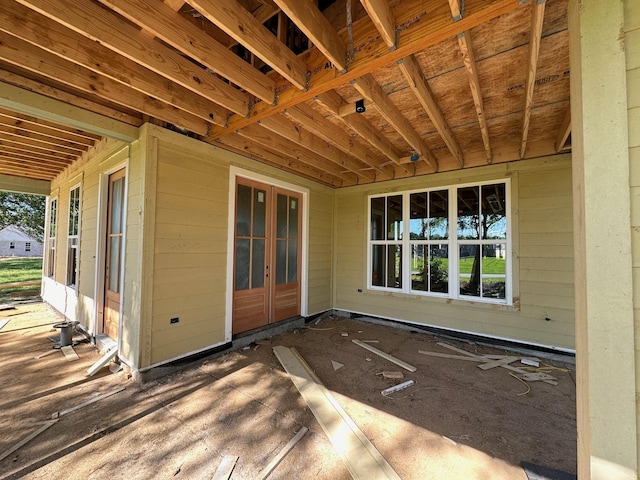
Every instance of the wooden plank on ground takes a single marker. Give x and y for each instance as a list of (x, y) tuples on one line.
[(362, 459), (224, 470), (497, 363), (386, 356), (3, 323), (266, 471), (106, 358), (88, 402), (69, 353), (453, 357), (6, 306), (27, 439)]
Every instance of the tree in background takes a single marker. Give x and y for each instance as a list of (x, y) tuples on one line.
[(27, 212)]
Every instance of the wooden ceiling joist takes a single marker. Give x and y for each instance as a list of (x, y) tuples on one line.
[(177, 31), (383, 18), (240, 24), (68, 98), (36, 126), (537, 19), (307, 17), (417, 33), (371, 90), (17, 141), (271, 157), (33, 59), (54, 143), (332, 133), (23, 155), (300, 135), (26, 172), (104, 26), (33, 164)]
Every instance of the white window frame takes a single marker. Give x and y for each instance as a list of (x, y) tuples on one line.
[(12, 245), (51, 238), (453, 244), (73, 239)]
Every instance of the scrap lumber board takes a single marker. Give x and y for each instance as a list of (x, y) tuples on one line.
[(28, 438), (551, 380), (106, 358), (453, 357), (88, 402), (6, 306), (386, 356), (363, 460), (224, 470), (3, 323), (497, 363), (266, 471), (69, 353)]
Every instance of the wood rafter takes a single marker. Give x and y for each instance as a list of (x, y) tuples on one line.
[(19, 154), (564, 131), (33, 59), (537, 19), (382, 17), (44, 139), (42, 127), (22, 141), (238, 23), (298, 134), (305, 14), (174, 29), (371, 90), (416, 36), (104, 26)]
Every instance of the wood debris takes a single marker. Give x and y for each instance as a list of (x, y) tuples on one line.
[(104, 360), (88, 402), (336, 365), (397, 388), (386, 356), (28, 438), (393, 374), (224, 470), (69, 353), (266, 471)]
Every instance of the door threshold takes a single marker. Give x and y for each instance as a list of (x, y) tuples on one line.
[(105, 343), (246, 338)]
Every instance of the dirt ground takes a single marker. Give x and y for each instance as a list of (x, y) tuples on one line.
[(455, 422)]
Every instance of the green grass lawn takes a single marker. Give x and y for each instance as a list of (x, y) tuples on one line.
[(19, 270)]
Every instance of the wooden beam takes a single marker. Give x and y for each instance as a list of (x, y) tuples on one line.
[(537, 19), (33, 59), (46, 91), (366, 130), (104, 26), (28, 25), (341, 139), (237, 22), (417, 32), (564, 131), (246, 148), (177, 31), (33, 124), (24, 185), (369, 88), (30, 103), (469, 60), (307, 17), (292, 150), (418, 84), (303, 137), (380, 13)]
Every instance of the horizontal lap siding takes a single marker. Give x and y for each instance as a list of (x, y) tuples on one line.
[(542, 258), (190, 251)]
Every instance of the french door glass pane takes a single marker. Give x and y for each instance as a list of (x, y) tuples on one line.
[(242, 263), (259, 212), (293, 217), (292, 264), (281, 216), (116, 207), (281, 262), (114, 264), (243, 211), (257, 264)]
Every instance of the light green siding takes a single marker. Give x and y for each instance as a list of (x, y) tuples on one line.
[(542, 258)]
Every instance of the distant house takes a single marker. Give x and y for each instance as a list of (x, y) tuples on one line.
[(15, 243)]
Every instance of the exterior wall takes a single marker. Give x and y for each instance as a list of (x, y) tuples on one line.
[(81, 303), (632, 51), (9, 235), (185, 250), (542, 258)]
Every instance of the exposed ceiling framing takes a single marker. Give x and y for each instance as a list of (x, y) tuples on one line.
[(444, 84)]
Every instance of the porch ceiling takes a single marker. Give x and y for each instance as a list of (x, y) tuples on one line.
[(444, 85)]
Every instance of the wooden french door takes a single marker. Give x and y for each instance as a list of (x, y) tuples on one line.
[(115, 229), (267, 247)]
